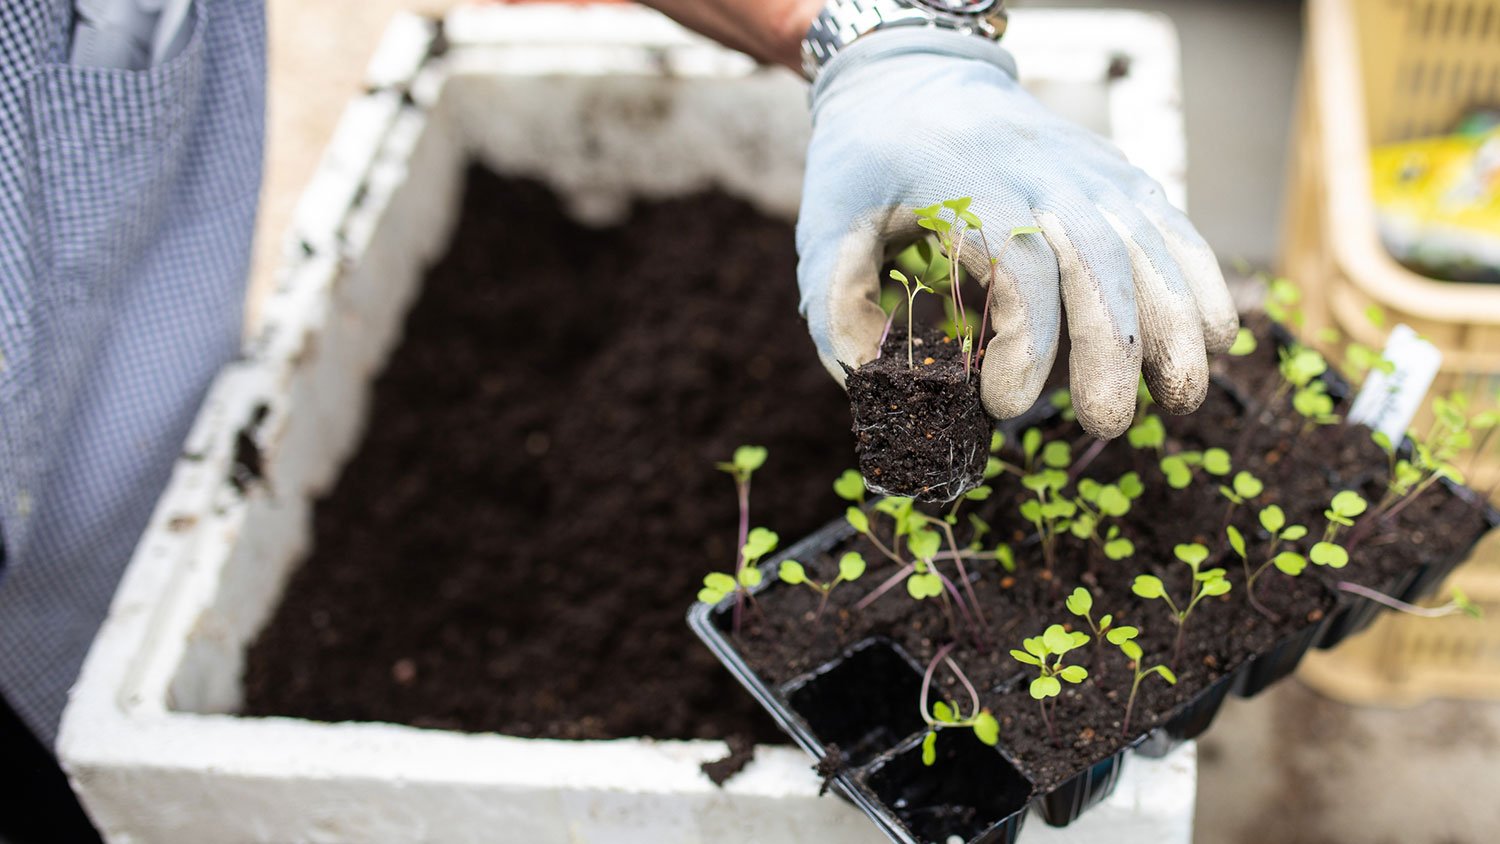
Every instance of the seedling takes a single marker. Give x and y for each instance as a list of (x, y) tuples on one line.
[(1282, 298), (914, 286), (1149, 432), (1081, 604), (1432, 458), (1046, 653), (1207, 583), (1241, 489), (1458, 603), (945, 715), (1244, 343), (741, 466), (951, 235), (851, 568), (1048, 511), (1100, 502), (717, 585), (850, 486), (1290, 563), (1124, 639), (1341, 513), (1180, 468)]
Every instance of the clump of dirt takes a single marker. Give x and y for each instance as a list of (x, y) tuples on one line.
[(920, 430)]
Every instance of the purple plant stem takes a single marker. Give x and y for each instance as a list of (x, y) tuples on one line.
[(964, 575), (927, 678), (888, 585), (742, 490), (1394, 603)]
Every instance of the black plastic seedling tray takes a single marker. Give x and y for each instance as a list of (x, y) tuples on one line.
[(860, 702)]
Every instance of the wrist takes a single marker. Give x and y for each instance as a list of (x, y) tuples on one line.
[(791, 20)]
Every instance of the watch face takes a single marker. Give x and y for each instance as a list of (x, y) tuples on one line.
[(960, 7)]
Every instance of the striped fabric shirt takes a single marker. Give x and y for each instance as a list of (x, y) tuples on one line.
[(127, 201)]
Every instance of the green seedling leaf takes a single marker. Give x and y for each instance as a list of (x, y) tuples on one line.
[(792, 572), (978, 493), (924, 543), (1191, 553), (759, 543), (719, 582), (943, 712), (1022, 230), (1147, 433), (1005, 557), (1166, 674), (1121, 635), (1045, 687), (1348, 504), (1131, 650), (1214, 588), (1031, 442), (1273, 519), (1244, 343), (1468, 607), (1074, 674), (1056, 640), (997, 441), (1216, 462), (1247, 486), (921, 586), (851, 566), (1290, 563), (1025, 658), (1130, 484), (748, 458), (1383, 440), (1179, 475), (1236, 540), (987, 729), (1329, 554), (857, 519), (929, 749), (1294, 533), (1119, 548), (1148, 586), (993, 467), (1112, 502), (850, 486), (1080, 602), (1057, 454)]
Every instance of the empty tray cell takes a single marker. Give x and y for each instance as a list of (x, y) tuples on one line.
[(866, 702)]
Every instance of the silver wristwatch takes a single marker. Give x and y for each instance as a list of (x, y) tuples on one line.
[(842, 21)]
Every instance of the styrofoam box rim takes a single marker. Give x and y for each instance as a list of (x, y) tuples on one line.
[(121, 724)]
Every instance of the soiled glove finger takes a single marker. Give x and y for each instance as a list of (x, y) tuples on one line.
[(1105, 360), (1026, 314)]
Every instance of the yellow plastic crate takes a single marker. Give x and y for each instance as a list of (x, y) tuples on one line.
[(1378, 71)]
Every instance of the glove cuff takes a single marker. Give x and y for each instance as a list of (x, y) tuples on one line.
[(904, 41)]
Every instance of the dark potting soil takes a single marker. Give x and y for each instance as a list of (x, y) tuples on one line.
[(1302, 467), (535, 501), (920, 430)]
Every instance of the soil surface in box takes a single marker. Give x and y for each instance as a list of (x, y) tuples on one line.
[(535, 503)]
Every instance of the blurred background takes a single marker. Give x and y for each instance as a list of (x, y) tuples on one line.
[(1297, 764)]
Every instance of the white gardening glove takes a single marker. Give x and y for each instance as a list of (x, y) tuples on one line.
[(906, 118)]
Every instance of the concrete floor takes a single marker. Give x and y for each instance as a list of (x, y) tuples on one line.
[(1289, 767)]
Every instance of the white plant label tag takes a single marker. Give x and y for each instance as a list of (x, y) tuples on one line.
[(1388, 403)]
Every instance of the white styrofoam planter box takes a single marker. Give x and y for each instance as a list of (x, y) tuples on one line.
[(603, 104)]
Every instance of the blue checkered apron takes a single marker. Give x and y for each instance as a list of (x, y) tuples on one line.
[(127, 200)]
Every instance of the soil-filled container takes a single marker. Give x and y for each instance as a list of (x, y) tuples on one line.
[(1072, 744)]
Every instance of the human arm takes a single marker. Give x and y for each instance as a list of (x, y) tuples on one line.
[(769, 30)]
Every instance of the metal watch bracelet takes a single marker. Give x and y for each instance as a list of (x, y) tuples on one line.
[(840, 22)]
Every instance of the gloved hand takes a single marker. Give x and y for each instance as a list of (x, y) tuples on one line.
[(906, 118)]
